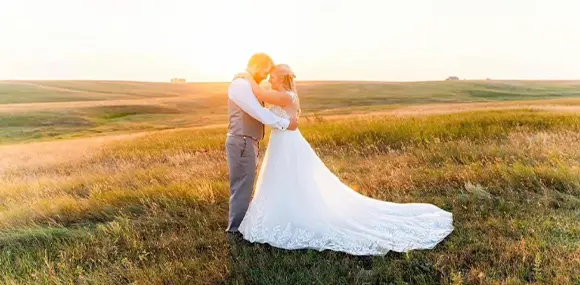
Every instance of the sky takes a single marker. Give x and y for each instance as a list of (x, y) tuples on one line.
[(383, 40)]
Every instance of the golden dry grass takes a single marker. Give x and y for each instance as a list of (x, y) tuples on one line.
[(150, 207)]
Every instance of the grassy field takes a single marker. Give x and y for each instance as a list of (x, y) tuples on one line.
[(151, 208), (47, 110)]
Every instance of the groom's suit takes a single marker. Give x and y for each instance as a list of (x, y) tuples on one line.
[(247, 118)]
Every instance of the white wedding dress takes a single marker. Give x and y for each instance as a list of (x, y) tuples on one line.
[(299, 203)]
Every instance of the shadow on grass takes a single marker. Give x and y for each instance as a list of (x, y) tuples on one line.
[(250, 263)]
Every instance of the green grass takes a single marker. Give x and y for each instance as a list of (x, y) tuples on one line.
[(21, 92), (131, 88), (122, 111), (34, 126), (317, 95), (157, 106), (152, 210), (398, 133), (16, 93), (41, 126)]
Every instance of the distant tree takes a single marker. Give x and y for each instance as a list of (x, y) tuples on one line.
[(452, 78)]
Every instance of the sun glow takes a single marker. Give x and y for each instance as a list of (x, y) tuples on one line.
[(320, 39)]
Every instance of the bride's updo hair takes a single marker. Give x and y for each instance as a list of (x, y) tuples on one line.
[(286, 75)]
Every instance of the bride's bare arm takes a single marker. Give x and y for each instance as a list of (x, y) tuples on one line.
[(279, 98)]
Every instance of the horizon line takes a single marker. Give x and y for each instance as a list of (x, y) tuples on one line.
[(306, 81)]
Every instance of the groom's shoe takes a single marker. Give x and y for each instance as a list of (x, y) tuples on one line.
[(235, 238), (234, 234)]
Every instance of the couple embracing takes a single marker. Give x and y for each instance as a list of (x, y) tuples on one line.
[(298, 203)]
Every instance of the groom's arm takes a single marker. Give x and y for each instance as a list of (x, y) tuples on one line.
[(240, 92), (279, 98)]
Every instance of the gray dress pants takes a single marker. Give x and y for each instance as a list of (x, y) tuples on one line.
[(242, 157)]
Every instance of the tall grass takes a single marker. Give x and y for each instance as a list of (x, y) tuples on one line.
[(152, 210)]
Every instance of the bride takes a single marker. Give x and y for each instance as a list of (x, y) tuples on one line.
[(299, 203)]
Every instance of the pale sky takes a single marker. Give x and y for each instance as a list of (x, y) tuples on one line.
[(322, 40)]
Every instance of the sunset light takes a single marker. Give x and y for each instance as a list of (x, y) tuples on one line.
[(338, 40)]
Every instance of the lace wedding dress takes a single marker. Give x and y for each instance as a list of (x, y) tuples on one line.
[(299, 203)]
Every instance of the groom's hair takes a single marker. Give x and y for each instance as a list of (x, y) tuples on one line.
[(260, 59)]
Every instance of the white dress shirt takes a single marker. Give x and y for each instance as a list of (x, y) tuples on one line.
[(240, 92)]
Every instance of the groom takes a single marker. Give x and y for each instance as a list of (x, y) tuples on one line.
[(247, 117)]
